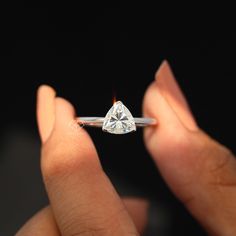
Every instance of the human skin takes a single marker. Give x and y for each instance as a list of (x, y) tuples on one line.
[(200, 171)]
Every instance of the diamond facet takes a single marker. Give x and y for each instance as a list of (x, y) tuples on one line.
[(119, 120)]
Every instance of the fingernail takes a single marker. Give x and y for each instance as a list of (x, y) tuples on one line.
[(172, 92), (45, 111), (167, 83), (164, 70)]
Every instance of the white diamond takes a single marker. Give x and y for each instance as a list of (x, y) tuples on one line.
[(119, 120)]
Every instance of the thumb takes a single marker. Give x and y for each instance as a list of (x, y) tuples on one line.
[(200, 171)]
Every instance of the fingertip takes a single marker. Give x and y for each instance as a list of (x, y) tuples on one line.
[(155, 105), (67, 129), (44, 88), (65, 124), (64, 109), (169, 125), (68, 142)]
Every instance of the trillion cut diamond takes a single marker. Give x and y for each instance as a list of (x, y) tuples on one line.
[(119, 120)]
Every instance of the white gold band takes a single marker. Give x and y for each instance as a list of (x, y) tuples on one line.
[(118, 120), (98, 121)]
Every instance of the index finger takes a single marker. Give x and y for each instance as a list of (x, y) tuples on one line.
[(83, 199)]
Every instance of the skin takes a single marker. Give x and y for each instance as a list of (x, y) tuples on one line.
[(200, 171)]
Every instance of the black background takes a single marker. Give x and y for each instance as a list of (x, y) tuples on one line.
[(87, 54)]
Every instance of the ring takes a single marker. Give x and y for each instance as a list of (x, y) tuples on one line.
[(118, 120)]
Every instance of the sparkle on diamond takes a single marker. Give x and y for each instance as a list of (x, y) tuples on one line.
[(119, 120)]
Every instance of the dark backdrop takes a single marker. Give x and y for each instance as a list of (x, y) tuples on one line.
[(87, 55)]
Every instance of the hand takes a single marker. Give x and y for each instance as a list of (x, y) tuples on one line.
[(200, 171)]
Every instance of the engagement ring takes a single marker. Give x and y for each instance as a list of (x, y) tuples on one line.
[(118, 120)]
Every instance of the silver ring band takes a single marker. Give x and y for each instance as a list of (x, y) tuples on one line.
[(118, 120), (98, 121)]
